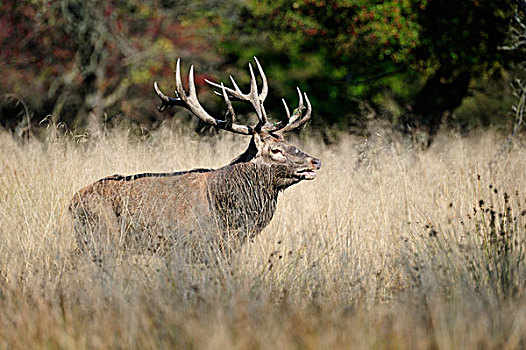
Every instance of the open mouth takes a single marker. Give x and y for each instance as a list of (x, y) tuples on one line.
[(305, 174)]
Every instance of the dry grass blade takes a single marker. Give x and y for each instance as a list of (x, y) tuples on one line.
[(414, 251)]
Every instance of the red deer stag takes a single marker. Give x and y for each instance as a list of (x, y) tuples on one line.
[(156, 210)]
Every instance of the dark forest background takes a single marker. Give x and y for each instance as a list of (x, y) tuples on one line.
[(418, 65)]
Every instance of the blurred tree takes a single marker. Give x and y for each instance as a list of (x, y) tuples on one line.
[(415, 53), (459, 42), (516, 46), (85, 61), (340, 51)]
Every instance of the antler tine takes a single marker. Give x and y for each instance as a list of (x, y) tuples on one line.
[(286, 108), (191, 83), (300, 97), (179, 89), (233, 93), (253, 82), (298, 111), (307, 115), (264, 88), (166, 101), (238, 90), (229, 106), (190, 101), (295, 121), (255, 99)]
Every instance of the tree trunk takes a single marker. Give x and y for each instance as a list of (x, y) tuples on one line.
[(440, 96)]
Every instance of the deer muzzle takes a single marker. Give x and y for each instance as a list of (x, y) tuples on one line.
[(309, 172)]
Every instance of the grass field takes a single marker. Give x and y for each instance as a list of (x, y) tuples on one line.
[(389, 247)]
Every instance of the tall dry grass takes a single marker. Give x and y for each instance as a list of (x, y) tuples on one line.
[(389, 247)]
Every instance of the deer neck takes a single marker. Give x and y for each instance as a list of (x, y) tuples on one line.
[(247, 156), (245, 196)]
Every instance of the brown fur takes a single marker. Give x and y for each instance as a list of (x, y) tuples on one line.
[(224, 206), (191, 208)]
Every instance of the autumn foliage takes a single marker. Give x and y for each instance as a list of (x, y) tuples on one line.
[(411, 62)]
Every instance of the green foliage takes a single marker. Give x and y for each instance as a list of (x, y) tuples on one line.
[(467, 37), (339, 51), (387, 52), (375, 29), (84, 62)]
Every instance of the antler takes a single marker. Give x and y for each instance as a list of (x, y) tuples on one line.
[(255, 98), (189, 101), (296, 120)]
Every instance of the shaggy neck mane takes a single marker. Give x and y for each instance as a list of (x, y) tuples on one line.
[(245, 196)]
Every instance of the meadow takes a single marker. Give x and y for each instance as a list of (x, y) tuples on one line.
[(390, 246)]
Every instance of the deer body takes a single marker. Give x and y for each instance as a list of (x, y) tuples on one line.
[(224, 206)]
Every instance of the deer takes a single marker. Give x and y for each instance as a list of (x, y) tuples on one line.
[(225, 206)]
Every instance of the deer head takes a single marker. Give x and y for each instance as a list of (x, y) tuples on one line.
[(267, 146)]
